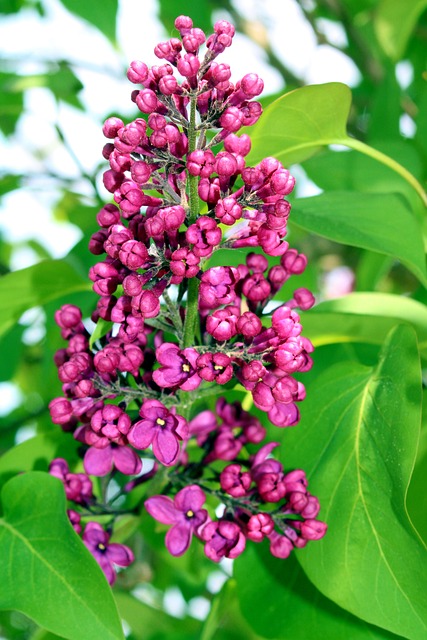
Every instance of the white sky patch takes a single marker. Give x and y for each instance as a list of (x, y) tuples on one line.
[(404, 73), (10, 397), (407, 126), (331, 65)]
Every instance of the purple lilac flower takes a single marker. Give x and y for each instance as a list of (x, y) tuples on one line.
[(184, 512), (105, 553)]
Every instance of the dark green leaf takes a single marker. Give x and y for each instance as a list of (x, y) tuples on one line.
[(46, 571), (200, 13), (369, 221), (358, 441)]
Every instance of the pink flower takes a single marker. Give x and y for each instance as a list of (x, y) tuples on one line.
[(106, 554), (224, 539), (184, 512), (179, 367), (161, 428)]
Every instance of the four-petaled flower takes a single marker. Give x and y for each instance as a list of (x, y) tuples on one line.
[(105, 553), (184, 512)]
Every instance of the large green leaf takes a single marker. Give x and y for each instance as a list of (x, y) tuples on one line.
[(369, 221), (394, 23), (285, 604), (34, 286), (46, 572), (294, 127), (364, 317), (101, 15), (358, 441)]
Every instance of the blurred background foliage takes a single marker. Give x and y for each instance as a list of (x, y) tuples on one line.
[(53, 101)]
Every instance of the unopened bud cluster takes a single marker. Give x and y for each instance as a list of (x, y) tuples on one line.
[(171, 327)]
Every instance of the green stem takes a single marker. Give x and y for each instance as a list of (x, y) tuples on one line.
[(192, 313)]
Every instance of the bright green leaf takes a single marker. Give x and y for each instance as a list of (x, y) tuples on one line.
[(101, 329), (285, 604), (294, 127), (46, 572), (102, 16), (34, 286), (364, 317), (358, 441), (394, 22), (370, 221), (299, 123)]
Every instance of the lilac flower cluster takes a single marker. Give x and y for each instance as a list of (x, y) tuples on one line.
[(170, 327)]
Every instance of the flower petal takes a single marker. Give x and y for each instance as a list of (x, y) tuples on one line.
[(119, 554), (190, 498), (166, 447), (98, 462), (141, 434), (162, 509), (178, 539), (127, 461)]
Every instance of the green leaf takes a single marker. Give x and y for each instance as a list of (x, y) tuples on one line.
[(101, 329), (364, 317), (286, 605), (294, 127), (368, 221), (103, 17), (358, 441), (12, 103), (200, 14), (47, 572), (36, 453), (11, 348), (394, 22), (34, 286), (298, 124)]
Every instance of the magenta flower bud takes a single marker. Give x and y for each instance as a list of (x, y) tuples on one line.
[(285, 390), (108, 215), (225, 165), (311, 509), (280, 546), (256, 288), (304, 299), (111, 127), (68, 317), (232, 119), (223, 539), (140, 172), (249, 325), (168, 85), (107, 360), (74, 518), (285, 322), (146, 304), (251, 373), (133, 254), (204, 234), (112, 180), (251, 112), (256, 262), (217, 286), (313, 529), (107, 150), (251, 85), (271, 487), (293, 262), (184, 263), (259, 526), (209, 190), (156, 121), (104, 307), (296, 481), (60, 410), (228, 211), (282, 182), (277, 276), (146, 101), (222, 324), (201, 163), (224, 27), (215, 367), (269, 165), (119, 234), (137, 72), (188, 65), (183, 24), (234, 481), (240, 145), (284, 415), (271, 241), (219, 76), (252, 177), (129, 197), (77, 343), (193, 40)]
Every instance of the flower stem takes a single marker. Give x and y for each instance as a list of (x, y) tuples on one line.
[(191, 315)]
